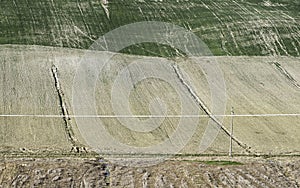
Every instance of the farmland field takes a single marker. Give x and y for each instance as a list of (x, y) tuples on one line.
[(52, 104), (254, 85), (252, 27)]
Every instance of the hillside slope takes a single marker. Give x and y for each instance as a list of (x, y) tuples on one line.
[(252, 27), (255, 85)]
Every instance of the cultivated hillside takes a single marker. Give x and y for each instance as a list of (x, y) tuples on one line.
[(254, 85), (50, 135), (251, 27)]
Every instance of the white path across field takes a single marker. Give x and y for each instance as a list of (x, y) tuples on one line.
[(145, 116)]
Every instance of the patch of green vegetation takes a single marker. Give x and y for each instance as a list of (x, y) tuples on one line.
[(153, 49), (222, 163), (217, 163)]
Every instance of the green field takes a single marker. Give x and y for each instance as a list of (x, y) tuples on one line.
[(252, 27)]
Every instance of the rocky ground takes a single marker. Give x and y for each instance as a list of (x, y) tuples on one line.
[(201, 172)]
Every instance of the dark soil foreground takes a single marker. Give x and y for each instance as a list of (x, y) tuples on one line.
[(215, 172)]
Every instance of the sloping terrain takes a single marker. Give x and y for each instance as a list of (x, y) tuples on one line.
[(255, 85), (26, 89), (252, 27), (255, 42)]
